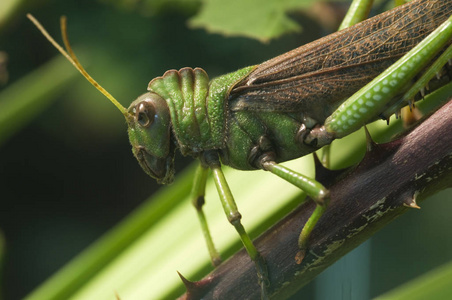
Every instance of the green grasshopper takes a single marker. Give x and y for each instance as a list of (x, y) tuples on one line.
[(285, 108)]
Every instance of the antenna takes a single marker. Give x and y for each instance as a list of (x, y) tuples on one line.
[(70, 56)]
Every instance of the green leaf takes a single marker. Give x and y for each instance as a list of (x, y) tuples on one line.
[(432, 285), (262, 20)]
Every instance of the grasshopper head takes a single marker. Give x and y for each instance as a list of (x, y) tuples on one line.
[(150, 136), (148, 119)]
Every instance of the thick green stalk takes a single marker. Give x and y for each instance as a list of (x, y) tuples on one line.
[(358, 11)]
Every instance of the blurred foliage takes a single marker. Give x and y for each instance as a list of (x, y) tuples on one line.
[(3, 68), (27, 97), (2, 262), (156, 7), (258, 19), (435, 284), (7, 10), (66, 171), (263, 20)]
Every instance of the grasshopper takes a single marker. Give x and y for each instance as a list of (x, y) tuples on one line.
[(285, 108)]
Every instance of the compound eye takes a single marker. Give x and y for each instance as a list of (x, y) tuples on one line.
[(145, 114)]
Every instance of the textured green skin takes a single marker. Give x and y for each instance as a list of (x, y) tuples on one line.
[(350, 115), (215, 127), (313, 80), (197, 107), (275, 99), (246, 127)]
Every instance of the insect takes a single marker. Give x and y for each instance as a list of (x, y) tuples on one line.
[(287, 107)]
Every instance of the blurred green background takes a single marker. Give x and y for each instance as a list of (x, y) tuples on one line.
[(67, 174)]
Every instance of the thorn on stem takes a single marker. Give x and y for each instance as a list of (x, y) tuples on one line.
[(422, 91), (411, 202), (412, 205), (370, 144), (195, 289), (438, 75)]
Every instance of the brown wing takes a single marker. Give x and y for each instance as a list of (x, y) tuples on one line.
[(334, 67)]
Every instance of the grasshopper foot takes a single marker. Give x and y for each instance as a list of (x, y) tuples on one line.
[(262, 274), (300, 256)]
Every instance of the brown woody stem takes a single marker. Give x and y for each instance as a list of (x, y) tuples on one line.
[(390, 178)]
